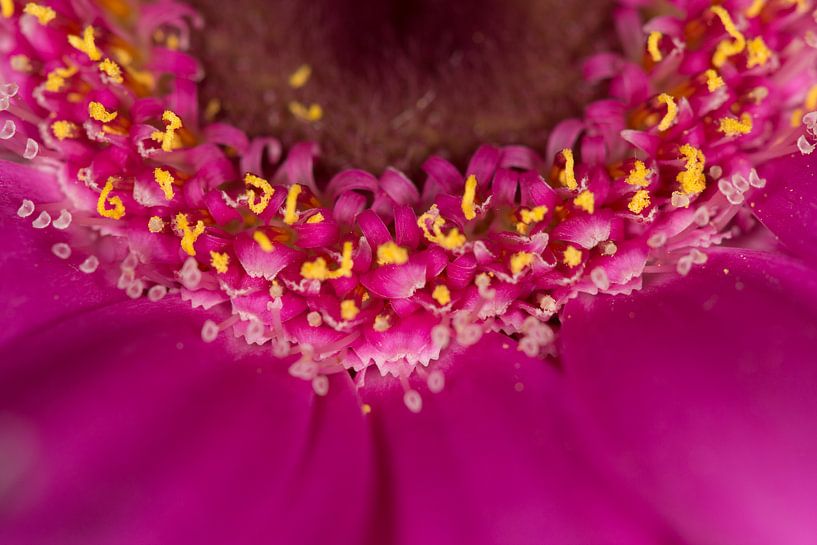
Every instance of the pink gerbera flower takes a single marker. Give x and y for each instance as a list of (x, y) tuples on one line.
[(209, 339)]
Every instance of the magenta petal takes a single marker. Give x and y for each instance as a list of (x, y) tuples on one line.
[(702, 392), (128, 429), (491, 459)]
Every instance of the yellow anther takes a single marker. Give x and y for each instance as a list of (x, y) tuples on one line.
[(520, 260), (391, 254), (315, 218), (639, 175), (758, 54), (86, 44), (727, 48), (568, 175), (796, 118), (256, 204), (348, 309), (312, 113), (56, 78), (168, 136), (572, 257), (64, 129), (7, 8), (692, 178), (366, 408), (219, 261), (672, 111), (291, 210), (713, 80), (300, 76), (639, 202), (586, 201), (263, 241), (189, 236), (652, 46), (318, 270), (468, 197), (111, 69), (450, 241), (155, 224), (811, 99), (381, 323), (755, 9), (212, 109), (96, 110), (535, 214), (20, 63), (117, 209), (441, 294), (165, 181), (44, 14), (735, 127)]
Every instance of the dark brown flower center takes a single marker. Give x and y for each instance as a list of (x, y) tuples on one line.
[(398, 80)]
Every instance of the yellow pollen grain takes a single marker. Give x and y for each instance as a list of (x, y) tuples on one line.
[(219, 261), (652, 46), (86, 43), (520, 260), (167, 137), (155, 224), (20, 63), (212, 109), (315, 218), (97, 111), (391, 254), (300, 76), (117, 209), (735, 127), (672, 111), (442, 295), (189, 236), (811, 99), (713, 80), (534, 215), (755, 9), (7, 8), (44, 14), (692, 178), (639, 202), (572, 257), (796, 118), (348, 309), (56, 78), (758, 53), (568, 175), (263, 241), (366, 408), (291, 210), (165, 181), (318, 269), (586, 201), (381, 323), (310, 113), (258, 204), (111, 69), (64, 129), (726, 48), (468, 196), (450, 241), (639, 174)]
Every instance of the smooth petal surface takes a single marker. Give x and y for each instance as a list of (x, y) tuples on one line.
[(701, 393), (491, 459)]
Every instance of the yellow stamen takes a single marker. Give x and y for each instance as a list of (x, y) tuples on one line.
[(468, 197), (44, 14), (20, 63), (535, 214), (450, 241), (312, 113), (652, 46), (811, 99), (586, 201), (672, 111), (735, 127), (639, 174), (300, 76), (727, 48), (118, 208), (318, 270), (381, 323), (56, 78), (520, 260), (572, 257), (155, 224), (713, 80), (7, 8), (212, 109), (391, 254), (796, 118), (96, 110), (165, 181), (692, 178), (64, 129), (111, 69), (568, 175), (219, 261), (86, 44), (167, 137), (755, 9), (291, 211), (258, 205), (639, 202), (315, 218), (758, 53), (348, 309), (263, 241), (189, 236), (441, 294)]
